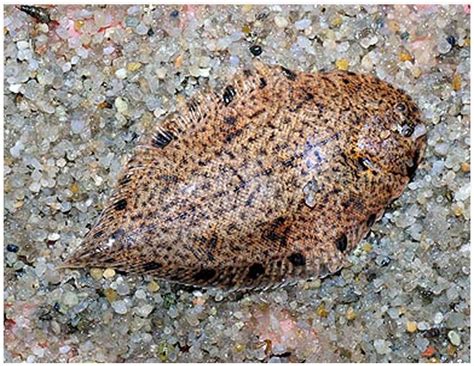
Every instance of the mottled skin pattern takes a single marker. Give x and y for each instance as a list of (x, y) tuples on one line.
[(216, 195)]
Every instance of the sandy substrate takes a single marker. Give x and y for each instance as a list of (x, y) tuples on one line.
[(83, 83)]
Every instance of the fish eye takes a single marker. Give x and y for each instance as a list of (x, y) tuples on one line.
[(407, 129), (401, 107)]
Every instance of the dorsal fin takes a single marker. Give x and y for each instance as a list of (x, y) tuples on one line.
[(195, 112)]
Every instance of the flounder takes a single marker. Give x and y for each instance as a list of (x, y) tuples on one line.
[(273, 179)]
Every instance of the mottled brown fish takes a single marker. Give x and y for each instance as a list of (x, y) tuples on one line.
[(276, 178)]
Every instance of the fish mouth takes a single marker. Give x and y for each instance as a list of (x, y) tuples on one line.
[(420, 147)]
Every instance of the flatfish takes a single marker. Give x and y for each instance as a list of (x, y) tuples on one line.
[(274, 178)]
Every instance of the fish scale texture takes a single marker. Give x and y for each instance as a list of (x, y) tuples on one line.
[(273, 179)]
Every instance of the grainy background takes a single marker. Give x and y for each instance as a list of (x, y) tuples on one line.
[(81, 89)]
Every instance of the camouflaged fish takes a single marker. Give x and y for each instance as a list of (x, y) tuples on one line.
[(274, 179)]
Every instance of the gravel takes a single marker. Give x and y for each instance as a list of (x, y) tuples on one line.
[(82, 88)]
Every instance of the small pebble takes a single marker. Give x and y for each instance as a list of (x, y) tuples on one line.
[(134, 66), (153, 286), (144, 310), (121, 105), (416, 72), (429, 352), (457, 82), (12, 248), (121, 73), (438, 318), (140, 294), (131, 22), (38, 351), (454, 320), (77, 124), (53, 237), (452, 350), (342, 64), (302, 24), (444, 46), (43, 27), (275, 359), (22, 45), (451, 40), (465, 167), (109, 273), (351, 314), (70, 299), (96, 273), (368, 41), (322, 311), (336, 21), (454, 338), (239, 347), (256, 50), (122, 288), (141, 29), (35, 187), (64, 349), (381, 346), (367, 247), (61, 162), (110, 294), (120, 307), (281, 22), (107, 50), (411, 327), (75, 188), (246, 8), (404, 56), (423, 326), (15, 88)]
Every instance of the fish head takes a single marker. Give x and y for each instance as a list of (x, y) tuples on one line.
[(393, 139)]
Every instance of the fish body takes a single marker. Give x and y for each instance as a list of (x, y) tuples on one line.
[(273, 179)]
